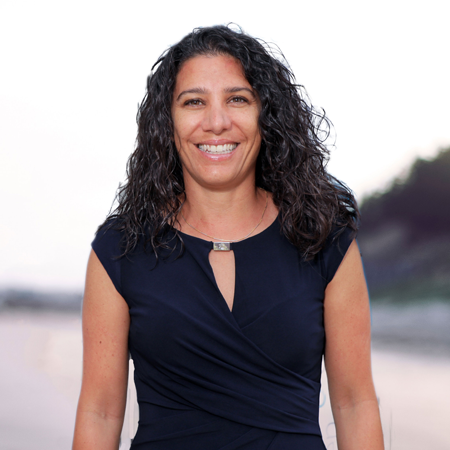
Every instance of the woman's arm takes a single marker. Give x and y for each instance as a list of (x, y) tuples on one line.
[(106, 321), (347, 357)]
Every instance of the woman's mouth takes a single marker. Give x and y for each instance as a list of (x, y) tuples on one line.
[(217, 149)]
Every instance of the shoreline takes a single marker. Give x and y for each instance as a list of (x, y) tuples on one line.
[(41, 379)]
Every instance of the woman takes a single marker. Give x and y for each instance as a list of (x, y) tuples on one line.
[(228, 260)]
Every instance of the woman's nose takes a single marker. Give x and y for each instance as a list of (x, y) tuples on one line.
[(216, 119)]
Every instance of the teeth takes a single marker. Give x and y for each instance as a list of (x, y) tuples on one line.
[(217, 149)]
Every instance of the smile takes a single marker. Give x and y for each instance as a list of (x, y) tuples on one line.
[(217, 149)]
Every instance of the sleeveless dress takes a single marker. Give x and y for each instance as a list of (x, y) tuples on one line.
[(208, 378)]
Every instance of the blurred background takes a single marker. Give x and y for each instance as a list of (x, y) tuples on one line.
[(72, 76)]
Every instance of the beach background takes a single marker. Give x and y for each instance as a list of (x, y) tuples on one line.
[(41, 356), (72, 77)]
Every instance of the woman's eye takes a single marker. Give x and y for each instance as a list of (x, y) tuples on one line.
[(193, 102), (238, 100)]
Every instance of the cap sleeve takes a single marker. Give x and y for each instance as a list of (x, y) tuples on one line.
[(106, 246), (335, 249)]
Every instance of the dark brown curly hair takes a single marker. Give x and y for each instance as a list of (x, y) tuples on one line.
[(291, 163)]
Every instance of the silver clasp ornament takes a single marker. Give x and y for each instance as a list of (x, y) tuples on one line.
[(222, 246)]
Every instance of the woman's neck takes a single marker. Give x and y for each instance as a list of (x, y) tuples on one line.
[(226, 214)]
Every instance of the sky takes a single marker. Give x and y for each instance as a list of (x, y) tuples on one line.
[(73, 74)]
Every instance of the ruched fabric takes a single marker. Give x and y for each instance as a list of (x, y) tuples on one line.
[(208, 378)]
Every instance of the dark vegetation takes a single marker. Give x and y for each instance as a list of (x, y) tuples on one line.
[(40, 300), (405, 234)]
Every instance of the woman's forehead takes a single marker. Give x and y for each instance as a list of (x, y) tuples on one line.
[(210, 72)]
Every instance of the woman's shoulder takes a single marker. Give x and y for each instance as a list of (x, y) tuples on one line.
[(109, 237), (108, 245), (335, 249)]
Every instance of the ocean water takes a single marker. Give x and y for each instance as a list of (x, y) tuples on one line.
[(41, 356)]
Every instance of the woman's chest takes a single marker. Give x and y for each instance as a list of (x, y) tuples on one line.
[(277, 305)]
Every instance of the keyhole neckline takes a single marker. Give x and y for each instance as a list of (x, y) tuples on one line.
[(209, 243)]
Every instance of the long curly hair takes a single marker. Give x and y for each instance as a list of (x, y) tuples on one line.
[(291, 163)]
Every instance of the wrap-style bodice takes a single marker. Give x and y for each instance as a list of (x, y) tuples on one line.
[(208, 378)]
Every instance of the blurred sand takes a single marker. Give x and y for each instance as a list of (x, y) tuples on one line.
[(40, 380), (41, 370)]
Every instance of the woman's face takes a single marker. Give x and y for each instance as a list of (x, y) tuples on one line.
[(215, 114)]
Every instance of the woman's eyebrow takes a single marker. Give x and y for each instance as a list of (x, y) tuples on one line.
[(232, 90), (197, 90)]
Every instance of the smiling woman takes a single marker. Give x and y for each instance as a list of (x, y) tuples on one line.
[(215, 117), (228, 260)]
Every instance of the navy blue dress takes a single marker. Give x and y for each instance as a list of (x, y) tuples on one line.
[(208, 378)]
